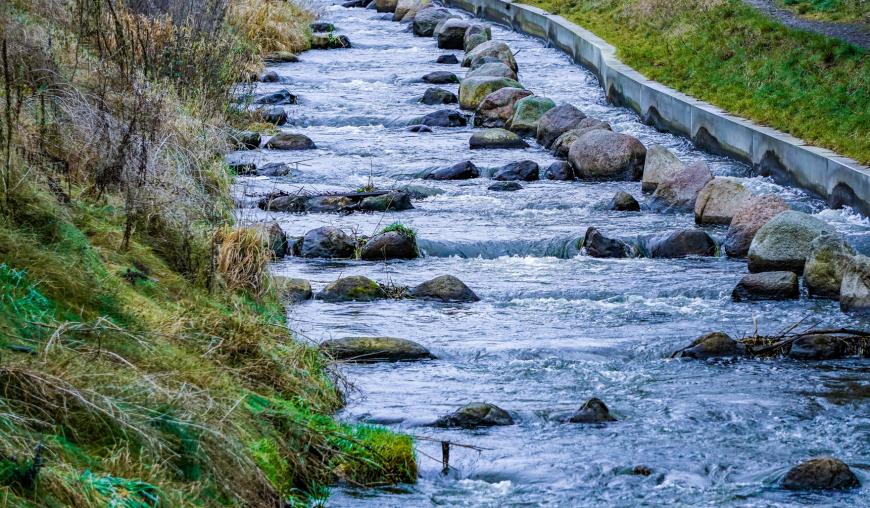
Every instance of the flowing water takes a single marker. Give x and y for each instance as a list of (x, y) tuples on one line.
[(554, 327)]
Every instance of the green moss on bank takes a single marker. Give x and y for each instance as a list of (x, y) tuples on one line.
[(728, 54)]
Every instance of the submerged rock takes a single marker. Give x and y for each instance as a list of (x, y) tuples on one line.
[(823, 473), (419, 128), (434, 96), (713, 345), (680, 244), (443, 118), (474, 415), (497, 108), (526, 171), (449, 59), (556, 122), (560, 170), (496, 138), (827, 260), (493, 49), (446, 288), (289, 141), (389, 245), (527, 113), (681, 190), (393, 201), (767, 286), (292, 290), (785, 241), (605, 155), (505, 187), (592, 411), (748, 220), (451, 34), (460, 171), (720, 200), (420, 191), (353, 288), (599, 246), (624, 202), (375, 349), (327, 242), (661, 164), (818, 347), (273, 169), (472, 91), (440, 78)]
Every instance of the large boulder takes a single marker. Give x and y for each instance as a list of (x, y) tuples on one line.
[(407, 9), (440, 78), (748, 220), (428, 18), (474, 415), (464, 170), (472, 91), (713, 345), (327, 242), (559, 170), (563, 143), (767, 286), (290, 141), (446, 288), (434, 96), (527, 112), (374, 349), (681, 190), (784, 242), (822, 473), (492, 70), (624, 202), (599, 246), (389, 245), (386, 5), (593, 410), (855, 288), (442, 118), (556, 122), (605, 155), (476, 35), (495, 138), (661, 164), (720, 200), (353, 288), (497, 108), (494, 49), (818, 347), (680, 244), (292, 290), (523, 170), (451, 34), (394, 201), (277, 239), (827, 260)]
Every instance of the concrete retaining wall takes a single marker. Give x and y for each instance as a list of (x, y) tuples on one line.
[(787, 159)]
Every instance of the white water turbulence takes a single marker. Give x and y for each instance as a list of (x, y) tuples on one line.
[(554, 327)]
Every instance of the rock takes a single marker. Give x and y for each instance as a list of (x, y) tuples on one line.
[(713, 345), (355, 4), (407, 9), (556, 122), (459, 171), (720, 199), (604, 155), (275, 115), (446, 288), (527, 112), (353, 288), (327, 242), (680, 191), (274, 169), (447, 59), (748, 220), (428, 18), (451, 35), (827, 260), (855, 288), (624, 202), (442, 118), (276, 238), (330, 204), (276, 57), (493, 70), (497, 108), (472, 91), (481, 61), (245, 140), (440, 78), (495, 138), (386, 5), (823, 473), (419, 128), (288, 204), (393, 202), (524, 170), (281, 97), (322, 26), (505, 187), (560, 170), (329, 41), (641, 470), (270, 77), (767, 286), (818, 347), (375, 349), (289, 141), (679, 244), (389, 245), (784, 242), (563, 143), (243, 168), (434, 96), (292, 290), (661, 164), (420, 191), (476, 35), (599, 246), (495, 49), (474, 415), (592, 411)]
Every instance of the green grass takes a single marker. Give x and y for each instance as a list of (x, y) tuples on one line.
[(728, 54), (402, 229), (832, 10)]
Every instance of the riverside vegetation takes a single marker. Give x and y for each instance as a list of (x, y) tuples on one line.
[(145, 359)]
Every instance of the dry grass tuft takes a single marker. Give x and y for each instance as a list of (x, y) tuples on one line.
[(272, 25), (243, 257)]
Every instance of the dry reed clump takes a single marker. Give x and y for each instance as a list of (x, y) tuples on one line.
[(242, 260), (272, 25), (663, 12)]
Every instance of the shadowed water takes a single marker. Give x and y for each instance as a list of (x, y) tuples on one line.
[(553, 327)]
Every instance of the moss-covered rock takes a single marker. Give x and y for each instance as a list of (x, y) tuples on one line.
[(497, 108), (495, 49), (823, 473), (495, 138), (375, 349), (389, 245), (473, 90), (352, 288), (527, 112), (713, 345), (826, 263), (446, 288), (292, 290), (474, 415), (391, 202)]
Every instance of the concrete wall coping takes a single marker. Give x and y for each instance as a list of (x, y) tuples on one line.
[(789, 160)]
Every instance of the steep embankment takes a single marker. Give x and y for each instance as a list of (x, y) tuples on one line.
[(144, 355)]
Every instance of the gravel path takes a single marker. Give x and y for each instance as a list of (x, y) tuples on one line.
[(854, 33)]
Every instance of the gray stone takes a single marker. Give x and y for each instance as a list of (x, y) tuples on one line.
[(604, 155), (440, 78), (277, 239), (827, 260), (713, 345), (476, 35), (556, 122), (563, 143), (353, 288), (446, 288), (720, 200), (460, 171), (451, 34), (419, 128), (492, 70), (434, 96), (389, 245), (661, 164), (560, 170), (495, 49), (505, 187), (680, 191), (818, 347), (624, 202), (855, 288), (527, 112), (393, 202), (523, 170), (375, 349), (270, 77), (442, 118), (273, 169), (593, 410), (748, 220), (767, 286), (407, 9), (449, 59), (474, 415), (420, 191), (680, 244), (428, 18), (279, 98), (327, 242), (495, 138), (823, 473), (292, 290), (784, 242), (275, 115), (599, 246), (289, 141), (497, 108), (245, 140)]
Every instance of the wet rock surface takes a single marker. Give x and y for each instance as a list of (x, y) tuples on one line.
[(375, 349), (474, 415), (767, 286)]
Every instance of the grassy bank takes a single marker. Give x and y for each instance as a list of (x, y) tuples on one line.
[(830, 10), (144, 358), (726, 53)]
